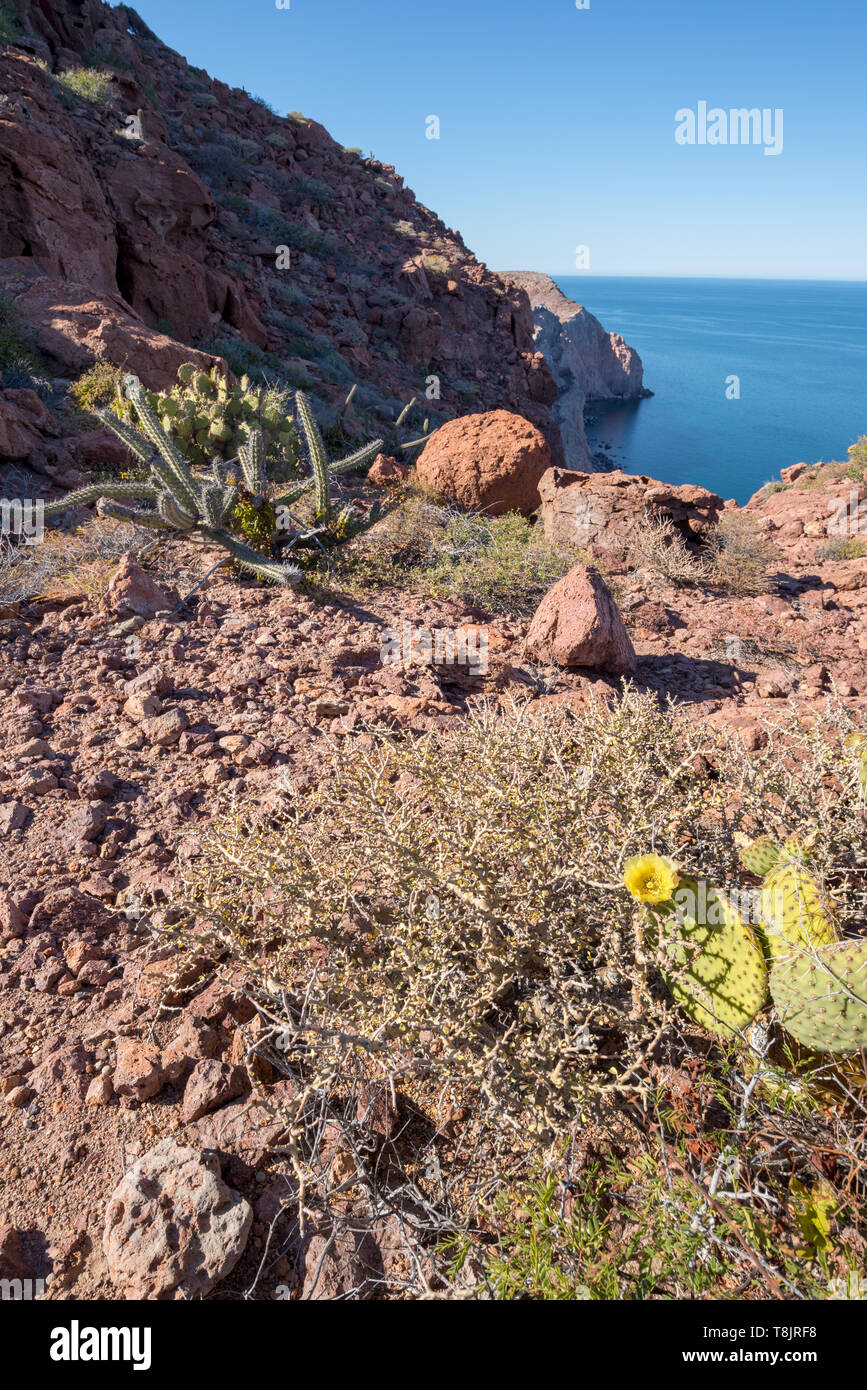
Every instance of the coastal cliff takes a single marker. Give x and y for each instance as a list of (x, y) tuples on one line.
[(588, 363)]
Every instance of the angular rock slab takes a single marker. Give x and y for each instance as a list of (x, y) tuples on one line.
[(579, 624)]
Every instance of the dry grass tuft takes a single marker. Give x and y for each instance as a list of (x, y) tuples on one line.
[(66, 564)]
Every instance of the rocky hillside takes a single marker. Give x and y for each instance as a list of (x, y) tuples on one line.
[(128, 724), (142, 205), (589, 364)]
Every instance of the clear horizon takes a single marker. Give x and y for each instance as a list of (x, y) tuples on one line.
[(621, 128), (766, 279)]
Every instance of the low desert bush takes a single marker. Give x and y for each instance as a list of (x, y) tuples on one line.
[(502, 564), (840, 549), (10, 25), (858, 452), (740, 555), (660, 548), (101, 384), (441, 921), (66, 564), (86, 84)]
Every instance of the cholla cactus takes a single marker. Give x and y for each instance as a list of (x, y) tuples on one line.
[(320, 469), (183, 502), (216, 504)]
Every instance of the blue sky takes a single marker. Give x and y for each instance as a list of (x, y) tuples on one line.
[(557, 124)]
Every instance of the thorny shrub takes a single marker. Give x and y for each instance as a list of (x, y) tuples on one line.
[(741, 555), (442, 919), (735, 556), (661, 548)]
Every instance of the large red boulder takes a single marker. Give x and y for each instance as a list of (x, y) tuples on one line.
[(490, 463), (579, 624)]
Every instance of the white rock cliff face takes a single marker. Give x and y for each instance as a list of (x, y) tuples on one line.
[(588, 364)]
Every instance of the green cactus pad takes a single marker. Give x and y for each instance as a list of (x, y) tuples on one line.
[(797, 848), (760, 856), (795, 912), (720, 979), (822, 1002)]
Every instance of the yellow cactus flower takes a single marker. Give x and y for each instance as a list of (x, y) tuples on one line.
[(650, 878)]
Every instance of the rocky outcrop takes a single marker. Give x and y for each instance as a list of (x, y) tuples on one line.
[(579, 624), (588, 363), (24, 421), (489, 463), (75, 327), (608, 509)]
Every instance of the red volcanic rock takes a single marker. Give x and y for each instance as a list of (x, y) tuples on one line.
[(579, 624), (387, 472), (211, 1084), (490, 463), (24, 420), (76, 327), (52, 207), (609, 509), (99, 449), (162, 211), (139, 1072), (133, 591)]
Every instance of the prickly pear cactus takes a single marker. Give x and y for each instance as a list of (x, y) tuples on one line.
[(794, 911), (206, 417), (822, 1001), (799, 848), (719, 977), (760, 855)]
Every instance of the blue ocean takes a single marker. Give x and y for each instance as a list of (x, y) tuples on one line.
[(797, 348)]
